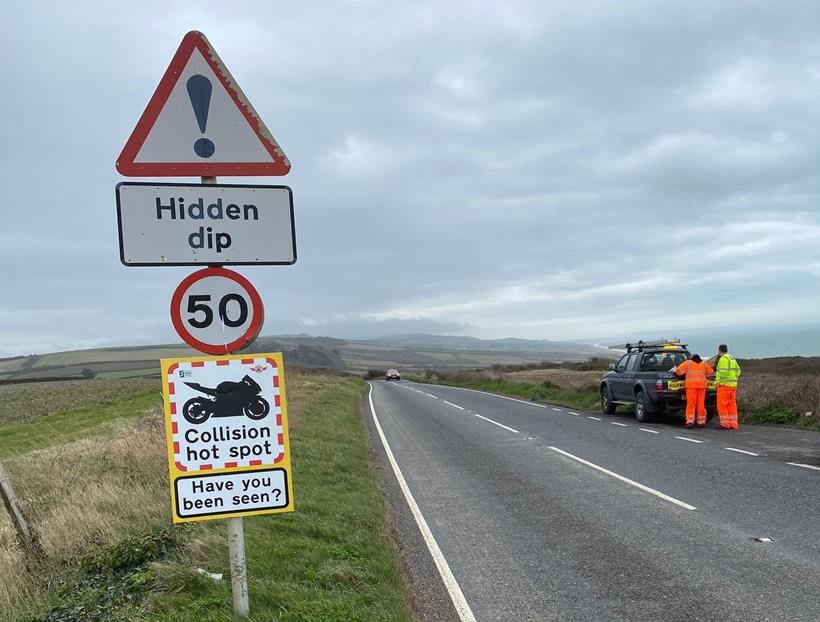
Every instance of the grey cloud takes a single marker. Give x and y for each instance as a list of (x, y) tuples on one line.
[(544, 170)]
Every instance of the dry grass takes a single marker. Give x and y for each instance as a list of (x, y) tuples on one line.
[(90, 491), (564, 378), (94, 492), (759, 391)]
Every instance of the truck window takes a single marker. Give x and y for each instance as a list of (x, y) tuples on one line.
[(621, 366), (662, 361), (630, 364)]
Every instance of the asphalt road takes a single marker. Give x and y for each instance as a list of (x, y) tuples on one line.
[(545, 513)]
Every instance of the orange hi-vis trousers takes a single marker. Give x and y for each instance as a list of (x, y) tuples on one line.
[(696, 404), (727, 407)]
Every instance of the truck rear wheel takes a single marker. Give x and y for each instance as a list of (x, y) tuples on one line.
[(607, 407), (641, 412)]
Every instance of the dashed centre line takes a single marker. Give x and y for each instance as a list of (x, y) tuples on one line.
[(500, 425), (501, 397), (648, 430), (453, 405), (572, 413), (805, 466), (595, 418), (691, 440), (741, 451), (623, 425), (558, 410), (626, 480)]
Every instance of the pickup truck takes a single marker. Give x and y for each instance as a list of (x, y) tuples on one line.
[(643, 379)]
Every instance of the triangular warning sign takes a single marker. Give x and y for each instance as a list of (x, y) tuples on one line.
[(199, 123)]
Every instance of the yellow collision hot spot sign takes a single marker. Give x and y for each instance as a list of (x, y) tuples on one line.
[(226, 427)]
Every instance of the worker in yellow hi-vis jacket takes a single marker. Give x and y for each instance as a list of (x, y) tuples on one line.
[(728, 372)]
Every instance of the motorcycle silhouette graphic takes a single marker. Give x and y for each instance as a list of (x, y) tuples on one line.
[(228, 399)]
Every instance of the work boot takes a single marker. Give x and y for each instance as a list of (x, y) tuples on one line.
[(689, 426)]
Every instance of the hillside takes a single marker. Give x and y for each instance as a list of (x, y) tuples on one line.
[(407, 352)]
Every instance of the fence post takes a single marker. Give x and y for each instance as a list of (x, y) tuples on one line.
[(29, 541)]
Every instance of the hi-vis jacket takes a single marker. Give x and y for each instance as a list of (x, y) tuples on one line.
[(695, 373), (728, 371)]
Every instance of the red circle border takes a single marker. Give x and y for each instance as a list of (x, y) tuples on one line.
[(250, 334)]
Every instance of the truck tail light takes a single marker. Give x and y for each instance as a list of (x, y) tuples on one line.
[(659, 384)]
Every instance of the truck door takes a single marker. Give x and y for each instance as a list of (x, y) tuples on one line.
[(622, 389)]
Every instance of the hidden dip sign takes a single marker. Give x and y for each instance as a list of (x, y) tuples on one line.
[(227, 436), (205, 224)]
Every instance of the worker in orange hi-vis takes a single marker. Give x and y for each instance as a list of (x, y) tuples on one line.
[(695, 369)]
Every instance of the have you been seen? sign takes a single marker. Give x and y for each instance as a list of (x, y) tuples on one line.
[(227, 436)]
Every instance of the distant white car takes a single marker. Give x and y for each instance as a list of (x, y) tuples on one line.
[(392, 374)]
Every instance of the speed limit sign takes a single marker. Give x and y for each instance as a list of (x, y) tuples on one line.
[(217, 311)]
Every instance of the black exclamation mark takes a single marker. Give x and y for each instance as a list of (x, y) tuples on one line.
[(199, 91)]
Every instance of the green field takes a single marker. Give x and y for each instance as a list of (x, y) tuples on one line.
[(28, 401), (103, 355)]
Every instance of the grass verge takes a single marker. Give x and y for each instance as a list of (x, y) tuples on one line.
[(332, 559), (542, 392), (101, 507)]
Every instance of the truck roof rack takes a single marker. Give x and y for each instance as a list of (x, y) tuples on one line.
[(660, 344)]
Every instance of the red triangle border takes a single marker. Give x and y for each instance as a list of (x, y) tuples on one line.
[(126, 164)]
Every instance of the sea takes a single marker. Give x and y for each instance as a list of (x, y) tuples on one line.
[(763, 342)]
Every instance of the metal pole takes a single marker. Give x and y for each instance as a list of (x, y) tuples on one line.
[(239, 573), (236, 545)]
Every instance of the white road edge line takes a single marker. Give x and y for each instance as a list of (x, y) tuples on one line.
[(557, 410), (465, 614), (501, 397), (623, 425), (741, 451), (805, 466), (500, 425), (572, 413), (453, 405), (691, 440), (626, 480), (595, 418), (648, 430)]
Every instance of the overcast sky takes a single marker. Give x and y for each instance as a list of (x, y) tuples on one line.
[(545, 169)]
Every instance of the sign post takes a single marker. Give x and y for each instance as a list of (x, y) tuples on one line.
[(236, 528), (200, 123)]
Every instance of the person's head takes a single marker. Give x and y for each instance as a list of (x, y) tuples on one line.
[(723, 348), (696, 358)]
